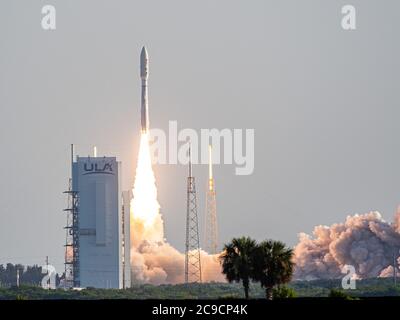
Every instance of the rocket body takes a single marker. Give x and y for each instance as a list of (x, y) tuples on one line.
[(144, 75)]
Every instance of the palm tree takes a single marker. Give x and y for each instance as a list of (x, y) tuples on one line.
[(273, 265), (237, 261)]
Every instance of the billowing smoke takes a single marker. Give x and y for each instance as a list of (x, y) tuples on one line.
[(366, 242), (153, 259)]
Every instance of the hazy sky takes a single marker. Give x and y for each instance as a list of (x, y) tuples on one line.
[(324, 104)]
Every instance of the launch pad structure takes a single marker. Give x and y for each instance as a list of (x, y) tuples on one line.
[(192, 245), (97, 245), (72, 235)]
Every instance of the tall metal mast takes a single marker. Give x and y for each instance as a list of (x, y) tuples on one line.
[(192, 246), (211, 223)]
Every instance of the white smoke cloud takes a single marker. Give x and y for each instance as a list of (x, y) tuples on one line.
[(365, 241), (155, 261)]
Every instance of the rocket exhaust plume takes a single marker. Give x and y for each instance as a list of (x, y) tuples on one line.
[(153, 260), (365, 241)]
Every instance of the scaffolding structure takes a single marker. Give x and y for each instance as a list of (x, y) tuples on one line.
[(71, 257), (211, 222), (192, 245)]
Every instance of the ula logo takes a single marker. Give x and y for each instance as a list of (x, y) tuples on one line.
[(92, 168)]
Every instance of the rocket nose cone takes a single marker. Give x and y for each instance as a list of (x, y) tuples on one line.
[(143, 55), (144, 63)]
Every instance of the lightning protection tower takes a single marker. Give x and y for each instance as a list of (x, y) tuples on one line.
[(211, 223), (192, 247)]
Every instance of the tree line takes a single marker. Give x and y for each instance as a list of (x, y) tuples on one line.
[(28, 275)]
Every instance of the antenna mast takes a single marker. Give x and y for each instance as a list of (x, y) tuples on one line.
[(211, 223)]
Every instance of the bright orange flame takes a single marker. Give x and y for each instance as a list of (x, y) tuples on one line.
[(145, 207)]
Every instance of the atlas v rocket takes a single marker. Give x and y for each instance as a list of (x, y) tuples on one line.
[(144, 75)]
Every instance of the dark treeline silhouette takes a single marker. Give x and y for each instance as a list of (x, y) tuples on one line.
[(28, 275)]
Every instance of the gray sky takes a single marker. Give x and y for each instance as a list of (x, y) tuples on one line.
[(323, 102)]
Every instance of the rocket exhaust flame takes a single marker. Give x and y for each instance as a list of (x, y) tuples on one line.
[(144, 204)]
